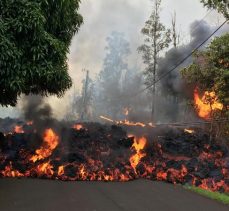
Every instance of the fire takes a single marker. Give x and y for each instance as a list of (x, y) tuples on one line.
[(128, 123), (189, 131), (107, 119), (10, 172), (18, 129), (45, 169), (96, 159), (138, 145), (206, 104), (78, 127), (29, 123), (51, 141), (60, 171)]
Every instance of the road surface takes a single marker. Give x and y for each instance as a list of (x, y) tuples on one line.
[(139, 195)]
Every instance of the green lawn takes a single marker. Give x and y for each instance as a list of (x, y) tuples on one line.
[(222, 197)]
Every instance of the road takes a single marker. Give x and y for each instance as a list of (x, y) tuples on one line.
[(139, 195)]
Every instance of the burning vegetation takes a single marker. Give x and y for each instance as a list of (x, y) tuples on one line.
[(95, 152), (206, 104)]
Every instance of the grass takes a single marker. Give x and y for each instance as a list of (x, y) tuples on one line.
[(221, 197)]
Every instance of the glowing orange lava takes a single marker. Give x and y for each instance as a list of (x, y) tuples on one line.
[(45, 169), (206, 104), (51, 141), (138, 145), (10, 172), (78, 127), (128, 123), (18, 129), (189, 131), (29, 123)]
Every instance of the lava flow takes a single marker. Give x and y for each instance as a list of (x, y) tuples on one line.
[(51, 141), (128, 123), (138, 145), (206, 104), (18, 129), (95, 152)]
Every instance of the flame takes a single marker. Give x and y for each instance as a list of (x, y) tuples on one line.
[(206, 104), (148, 164), (138, 145), (78, 127), (189, 131), (18, 129), (51, 141), (127, 122), (161, 176), (29, 123), (45, 169), (10, 172), (107, 119), (60, 171)]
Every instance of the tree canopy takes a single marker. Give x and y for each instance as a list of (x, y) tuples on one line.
[(111, 76), (157, 39), (221, 5), (210, 69), (34, 41)]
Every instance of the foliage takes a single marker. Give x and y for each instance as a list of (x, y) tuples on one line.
[(224, 198), (157, 39), (83, 103), (111, 76), (210, 72), (221, 5), (34, 41), (210, 69)]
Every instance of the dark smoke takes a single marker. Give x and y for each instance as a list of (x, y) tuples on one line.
[(174, 91), (173, 84), (35, 109)]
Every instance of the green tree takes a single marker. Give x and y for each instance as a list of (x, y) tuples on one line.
[(157, 39), (221, 5), (210, 71), (34, 41), (110, 78)]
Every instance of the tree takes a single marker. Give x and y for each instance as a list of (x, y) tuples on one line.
[(157, 39), (210, 71), (110, 77), (221, 5), (34, 41), (175, 34), (86, 98)]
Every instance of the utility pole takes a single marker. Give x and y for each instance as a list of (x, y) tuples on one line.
[(85, 96)]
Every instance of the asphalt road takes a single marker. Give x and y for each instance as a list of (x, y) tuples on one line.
[(141, 195)]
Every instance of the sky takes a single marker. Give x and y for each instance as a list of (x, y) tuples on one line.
[(101, 17)]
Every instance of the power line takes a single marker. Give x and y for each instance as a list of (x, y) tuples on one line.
[(184, 59)]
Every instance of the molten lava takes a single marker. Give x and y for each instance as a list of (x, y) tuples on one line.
[(128, 123), (106, 153), (189, 131), (138, 145), (51, 141), (18, 129), (206, 104), (78, 127)]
